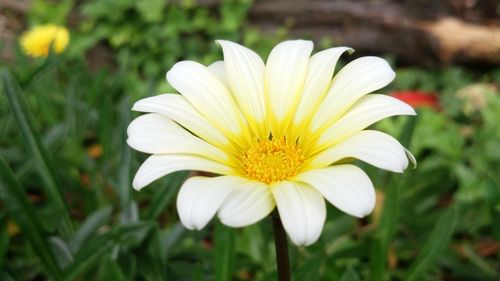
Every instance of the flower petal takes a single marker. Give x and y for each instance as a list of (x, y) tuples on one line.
[(247, 204), (319, 75), (200, 197), (156, 134), (177, 108), (219, 70), (207, 94), (346, 187), (157, 166), (302, 211), (373, 147), (356, 79), (365, 112), (285, 73), (245, 71)]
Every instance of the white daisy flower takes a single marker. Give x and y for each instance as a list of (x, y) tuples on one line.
[(273, 133)]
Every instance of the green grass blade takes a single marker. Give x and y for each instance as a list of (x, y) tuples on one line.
[(36, 148), (384, 233), (22, 210), (90, 256), (493, 200), (170, 237), (164, 195), (309, 269), (89, 227), (390, 215), (4, 241), (224, 252), (62, 252), (350, 275), (111, 271), (99, 247), (408, 130), (436, 243), (124, 188)]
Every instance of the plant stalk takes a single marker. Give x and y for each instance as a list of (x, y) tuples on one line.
[(281, 245)]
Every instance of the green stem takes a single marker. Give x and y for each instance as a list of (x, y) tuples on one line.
[(280, 241)]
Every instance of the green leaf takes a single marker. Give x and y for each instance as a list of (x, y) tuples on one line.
[(387, 225), (164, 195), (384, 233), (111, 271), (123, 188), (350, 275), (493, 199), (408, 130), (89, 227), (436, 243), (224, 252), (198, 272), (310, 269), (22, 210), (61, 251), (4, 241), (170, 237), (151, 10), (36, 148), (478, 261), (90, 256), (100, 246)]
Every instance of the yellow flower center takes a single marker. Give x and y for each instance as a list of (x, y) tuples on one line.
[(272, 160)]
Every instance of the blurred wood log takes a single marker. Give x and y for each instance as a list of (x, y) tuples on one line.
[(416, 32)]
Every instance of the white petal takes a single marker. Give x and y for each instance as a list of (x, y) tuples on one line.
[(319, 76), (247, 204), (367, 111), (207, 94), (177, 108), (156, 134), (285, 73), (356, 79), (200, 197), (245, 71), (157, 166), (373, 147), (346, 187), (219, 70), (302, 211)]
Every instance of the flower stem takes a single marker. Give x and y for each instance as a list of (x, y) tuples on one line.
[(280, 241)]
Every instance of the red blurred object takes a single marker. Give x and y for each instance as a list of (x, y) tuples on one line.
[(418, 98)]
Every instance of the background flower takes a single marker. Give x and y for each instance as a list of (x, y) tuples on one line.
[(37, 41)]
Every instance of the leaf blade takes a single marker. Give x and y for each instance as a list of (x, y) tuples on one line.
[(436, 243), (23, 211), (224, 252), (38, 151)]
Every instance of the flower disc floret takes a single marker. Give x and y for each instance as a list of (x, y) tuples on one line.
[(272, 160)]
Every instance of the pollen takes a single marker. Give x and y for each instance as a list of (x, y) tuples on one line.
[(272, 160)]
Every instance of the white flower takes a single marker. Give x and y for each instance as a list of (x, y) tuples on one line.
[(274, 134)]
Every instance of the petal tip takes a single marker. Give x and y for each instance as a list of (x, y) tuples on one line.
[(137, 185)]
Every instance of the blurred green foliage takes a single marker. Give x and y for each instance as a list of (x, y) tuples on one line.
[(68, 211), (145, 38)]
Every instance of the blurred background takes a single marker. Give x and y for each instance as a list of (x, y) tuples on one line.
[(68, 211)]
